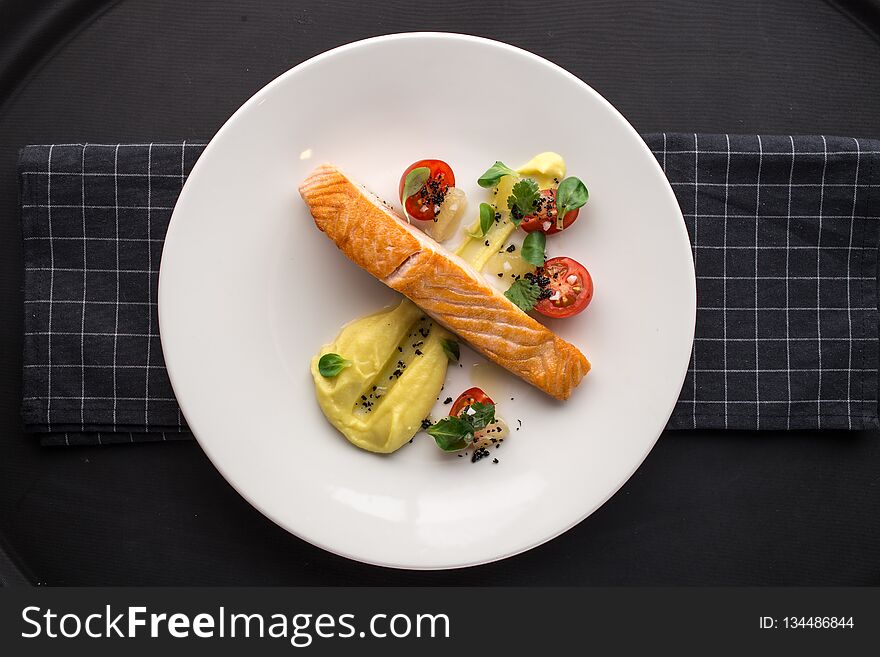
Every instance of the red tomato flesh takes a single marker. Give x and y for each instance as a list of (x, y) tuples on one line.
[(544, 217), (424, 204), (570, 286), (467, 398)]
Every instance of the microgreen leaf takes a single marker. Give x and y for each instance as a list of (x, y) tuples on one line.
[(487, 216), (330, 365), (533, 248), (414, 181), (571, 195), (523, 293), (452, 433), (495, 173), (450, 347), (483, 415), (524, 195), (457, 432)]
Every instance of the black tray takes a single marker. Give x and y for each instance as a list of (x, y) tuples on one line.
[(704, 508)]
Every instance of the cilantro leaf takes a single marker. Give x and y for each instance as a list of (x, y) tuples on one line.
[(495, 173), (450, 348), (524, 195), (571, 195), (523, 293), (332, 364), (452, 433), (483, 415), (533, 248)]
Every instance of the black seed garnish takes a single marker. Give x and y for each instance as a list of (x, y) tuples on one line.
[(511, 248), (479, 454), (448, 400)]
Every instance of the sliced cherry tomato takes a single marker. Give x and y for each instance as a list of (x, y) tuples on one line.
[(424, 204), (544, 218), (570, 287), (468, 397)]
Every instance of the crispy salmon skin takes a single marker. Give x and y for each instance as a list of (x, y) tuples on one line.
[(452, 292)]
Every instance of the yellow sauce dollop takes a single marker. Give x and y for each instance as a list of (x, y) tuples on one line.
[(548, 169)]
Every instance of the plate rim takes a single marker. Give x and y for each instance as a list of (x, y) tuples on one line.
[(405, 36)]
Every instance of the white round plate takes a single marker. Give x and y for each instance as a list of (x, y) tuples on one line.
[(250, 289)]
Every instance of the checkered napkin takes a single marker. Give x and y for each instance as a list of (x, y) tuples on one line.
[(94, 219), (784, 233)]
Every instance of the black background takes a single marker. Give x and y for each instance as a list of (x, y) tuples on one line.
[(704, 508)]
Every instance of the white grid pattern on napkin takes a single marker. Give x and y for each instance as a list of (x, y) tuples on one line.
[(82, 205), (807, 357)]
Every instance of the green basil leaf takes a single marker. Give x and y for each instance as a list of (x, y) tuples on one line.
[(414, 181), (495, 173), (523, 293), (450, 347), (487, 217), (533, 248), (452, 433), (483, 415), (332, 364), (523, 197), (571, 195)]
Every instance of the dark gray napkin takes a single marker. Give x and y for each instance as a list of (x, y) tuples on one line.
[(785, 235), (784, 232), (94, 219)]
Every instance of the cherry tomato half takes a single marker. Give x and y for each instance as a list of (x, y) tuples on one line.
[(468, 397), (545, 215), (570, 286), (424, 204)]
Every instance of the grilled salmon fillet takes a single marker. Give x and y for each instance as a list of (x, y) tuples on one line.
[(446, 287)]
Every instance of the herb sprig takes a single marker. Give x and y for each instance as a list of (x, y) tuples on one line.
[(331, 364), (487, 216), (533, 248), (523, 293), (453, 433), (571, 195), (522, 200), (413, 182), (495, 173), (450, 348)]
